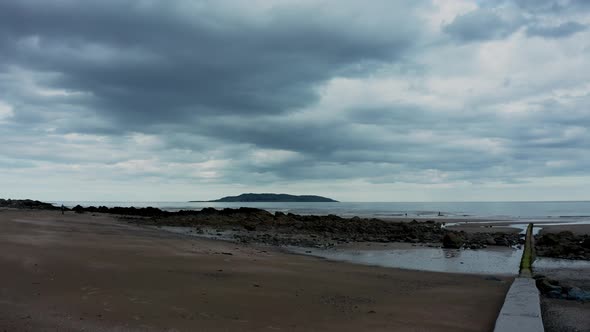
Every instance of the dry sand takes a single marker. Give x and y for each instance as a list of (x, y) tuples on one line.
[(95, 273)]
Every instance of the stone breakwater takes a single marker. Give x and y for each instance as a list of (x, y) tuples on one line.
[(261, 226)]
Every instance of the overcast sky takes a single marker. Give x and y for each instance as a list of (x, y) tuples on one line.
[(375, 100)]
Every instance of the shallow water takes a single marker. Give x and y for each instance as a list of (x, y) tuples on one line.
[(542, 263), (503, 261)]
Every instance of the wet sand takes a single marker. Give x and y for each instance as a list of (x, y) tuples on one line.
[(95, 273), (565, 315)]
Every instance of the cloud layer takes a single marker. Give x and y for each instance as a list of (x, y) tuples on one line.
[(412, 100)]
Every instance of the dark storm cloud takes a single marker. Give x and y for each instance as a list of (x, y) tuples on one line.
[(150, 63)]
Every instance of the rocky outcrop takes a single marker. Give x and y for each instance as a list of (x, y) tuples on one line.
[(26, 204), (323, 228), (563, 245), (456, 240), (126, 211), (257, 225)]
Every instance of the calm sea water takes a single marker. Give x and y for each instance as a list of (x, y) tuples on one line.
[(541, 211)]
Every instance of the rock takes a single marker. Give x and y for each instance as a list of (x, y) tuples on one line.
[(554, 294), (78, 209), (492, 278), (546, 285), (578, 294), (453, 241), (563, 245), (501, 241), (549, 239), (27, 204), (250, 227)]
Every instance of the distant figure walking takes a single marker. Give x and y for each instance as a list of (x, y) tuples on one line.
[(63, 209), (440, 214)]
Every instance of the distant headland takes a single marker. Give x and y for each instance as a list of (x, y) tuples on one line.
[(266, 197)]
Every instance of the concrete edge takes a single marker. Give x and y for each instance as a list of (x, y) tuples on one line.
[(521, 311)]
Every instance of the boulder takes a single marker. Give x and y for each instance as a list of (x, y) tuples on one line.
[(546, 285), (490, 241), (578, 294), (250, 227), (78, 209), (453, 241), (501, 241)]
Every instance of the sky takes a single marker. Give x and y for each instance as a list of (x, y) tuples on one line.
[(421, 100)]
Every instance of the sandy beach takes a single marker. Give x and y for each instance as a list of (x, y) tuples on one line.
[(88, 272)]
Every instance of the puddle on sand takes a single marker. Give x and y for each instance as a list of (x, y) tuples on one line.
[(483, 261), (542, 263)]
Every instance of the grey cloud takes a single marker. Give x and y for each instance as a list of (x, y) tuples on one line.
[(552, 6), (216, 85), (563, 30), (489, 23), (483, 24)]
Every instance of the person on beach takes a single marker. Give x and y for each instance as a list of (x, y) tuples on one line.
[(63, 209)]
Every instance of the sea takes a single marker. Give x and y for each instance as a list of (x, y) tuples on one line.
[(558, 211)]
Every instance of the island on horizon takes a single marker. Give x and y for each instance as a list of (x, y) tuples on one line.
[(268, 197)]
